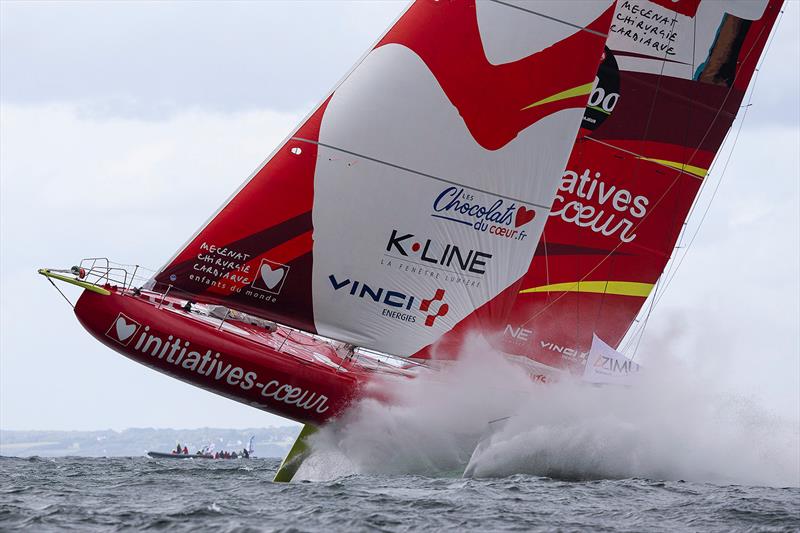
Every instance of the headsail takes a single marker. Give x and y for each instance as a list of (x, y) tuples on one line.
[(671, 82), (417, 191)]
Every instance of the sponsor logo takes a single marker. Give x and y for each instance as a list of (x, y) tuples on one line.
[(605, 92), (270, 276), (212, 365), (571, 354), (446, 255), (585, 189), (123, 329), (442, 309), (518, 334), (615, 366), (397, 305), (501, 219)]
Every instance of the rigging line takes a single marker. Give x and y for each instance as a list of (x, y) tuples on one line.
[(685, 227), (554, 19), (581, 239), (610, 253), (667, 235), (644, 322), (658, 201), (130, 265), (677, 262), (719, 108), (62, 294), (673, 264), (674, 260), (418, 173), (546, 261), (637, 169), (704, 184), (643, 317), (727, 95), (708, 206), (727, 160)]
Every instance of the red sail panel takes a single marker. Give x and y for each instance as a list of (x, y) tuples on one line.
[(265, 227), (418, 190), (668, 90)]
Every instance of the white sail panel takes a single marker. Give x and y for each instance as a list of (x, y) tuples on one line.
[(363, 207), (506, 33)]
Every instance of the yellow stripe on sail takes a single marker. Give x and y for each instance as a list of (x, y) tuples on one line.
[(621, 288), (569, 93), (691, 169)]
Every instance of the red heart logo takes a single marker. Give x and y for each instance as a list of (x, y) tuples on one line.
[(523, 216)]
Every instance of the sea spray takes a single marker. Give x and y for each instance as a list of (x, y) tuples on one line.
[(672, 425), (431, 425)]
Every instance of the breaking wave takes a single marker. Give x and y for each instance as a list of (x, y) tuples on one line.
[(672, 425)]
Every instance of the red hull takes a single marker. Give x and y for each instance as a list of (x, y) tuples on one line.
[(287, 373)]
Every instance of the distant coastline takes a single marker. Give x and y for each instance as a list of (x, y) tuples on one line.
[(134, 442)]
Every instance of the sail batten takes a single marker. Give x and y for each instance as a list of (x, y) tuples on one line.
[(419, 173), (550, 17)]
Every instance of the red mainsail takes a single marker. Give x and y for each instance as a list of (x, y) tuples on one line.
[(668, 90)]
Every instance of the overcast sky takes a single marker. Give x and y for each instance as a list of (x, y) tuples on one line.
[(124, 125)]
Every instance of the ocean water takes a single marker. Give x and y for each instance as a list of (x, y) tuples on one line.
[(670, 452), (91, 494)]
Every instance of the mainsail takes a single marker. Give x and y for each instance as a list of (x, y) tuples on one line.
[(673, 77), (417, 190)]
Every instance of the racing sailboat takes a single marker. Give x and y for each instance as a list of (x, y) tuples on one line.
[(415, 193), (409, 208)]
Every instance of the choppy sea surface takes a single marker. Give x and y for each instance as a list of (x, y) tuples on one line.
[(91, 494)]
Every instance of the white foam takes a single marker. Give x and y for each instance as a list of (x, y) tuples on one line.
[(674, 425)]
